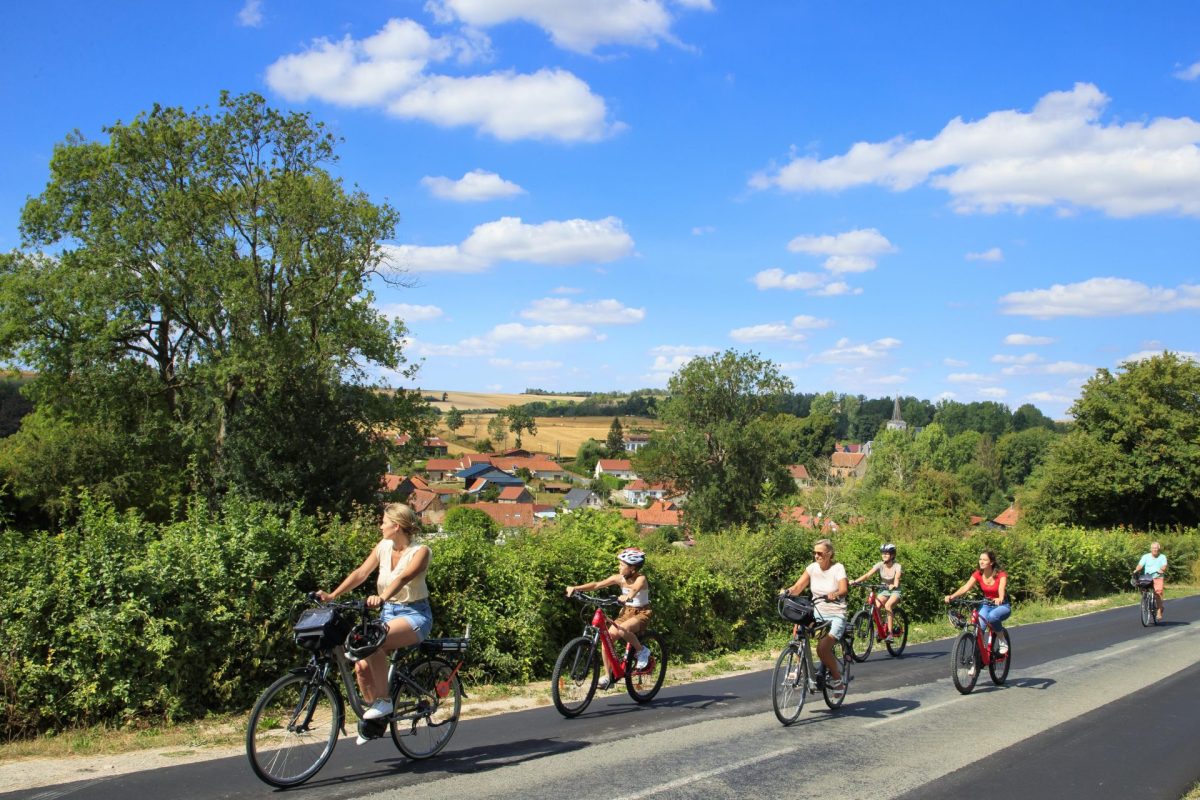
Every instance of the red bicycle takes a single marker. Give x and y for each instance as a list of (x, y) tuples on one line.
[(868, 626), (577, 670), (976, 647)]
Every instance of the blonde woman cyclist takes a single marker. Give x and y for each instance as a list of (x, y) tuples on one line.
[(889, 574), (829, 590), (400, 593)]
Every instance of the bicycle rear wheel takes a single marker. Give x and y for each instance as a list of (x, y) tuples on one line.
[(293, 729), (998, 668), (642, 685), (576, 673), (862, 631), (965, 669), (899, 639), (789, 684), (426, 713), (835, 697)]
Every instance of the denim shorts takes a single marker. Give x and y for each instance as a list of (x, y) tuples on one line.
[(417, 614), (837, 623)]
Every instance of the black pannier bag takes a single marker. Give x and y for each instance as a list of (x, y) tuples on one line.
[(321, 628), (799, 610)]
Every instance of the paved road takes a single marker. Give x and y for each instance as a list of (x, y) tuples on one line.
[(1095, 706)]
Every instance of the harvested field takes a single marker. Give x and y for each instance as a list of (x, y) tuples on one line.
[(559, 436), (472, 401)]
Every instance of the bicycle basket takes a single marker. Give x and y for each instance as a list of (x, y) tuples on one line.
[(321, 628), (1143, 582), (958, 616), (799, 610)]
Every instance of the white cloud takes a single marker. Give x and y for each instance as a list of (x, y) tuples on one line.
[(777, 279), (475, 186), (994, 392), (573, 241), (599, 312), (539, 335), (836, 288), (888, 380), (1060, 154), (577, 25), (806, 322), (1025, 340), (1050, 397), (410, 313), (852, 251), (846, 352), (967, 377), (703, 230), (954, 363), (390, 70), (995, 254), (1142, 355), (466, 348), (1189, 73), (767, 332), (1067, 368), (1100, 297), (250, 15), (946, 396), (566, 290), (525, 366), (669, 359), (1027, 358)]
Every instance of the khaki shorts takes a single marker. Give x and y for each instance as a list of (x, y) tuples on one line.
[(633, 619)]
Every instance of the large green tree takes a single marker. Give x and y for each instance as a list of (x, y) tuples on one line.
[(194, 294), (1134, 456), (719, 444)]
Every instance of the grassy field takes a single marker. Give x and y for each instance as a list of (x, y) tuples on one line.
[(559, 436)]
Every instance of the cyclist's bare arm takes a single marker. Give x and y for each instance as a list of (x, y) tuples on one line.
[(354, 579), (611, 580), (866, 575)]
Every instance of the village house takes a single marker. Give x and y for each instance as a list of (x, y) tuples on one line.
[(582, 498), (638, 492), (660, 513), (514, 494), (799, 476), (635, 441), (432, 446), (620, 468), (846, 466), (516, 515)]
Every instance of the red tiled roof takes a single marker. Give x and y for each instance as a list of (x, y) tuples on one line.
[(658, 513), (421, 499), (616, 465), (798, 472), (847, 460), (536, 463), (391, 482), (511, 515), (1008, 517), (976, 519), (512, 493), (443, 465)]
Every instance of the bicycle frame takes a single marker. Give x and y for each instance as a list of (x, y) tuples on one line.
[(985, 653), (598, 629), (881, 629)]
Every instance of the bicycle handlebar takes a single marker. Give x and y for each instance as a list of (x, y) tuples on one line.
[(971, 601), (580, 597), (879, 587)]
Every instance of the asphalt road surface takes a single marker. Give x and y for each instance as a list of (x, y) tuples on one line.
[(1096, 706)]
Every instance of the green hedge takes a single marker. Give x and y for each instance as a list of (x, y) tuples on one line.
[(115, 619)]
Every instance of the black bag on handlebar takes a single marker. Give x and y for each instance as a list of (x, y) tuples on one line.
[(799, 610), (321, 628)]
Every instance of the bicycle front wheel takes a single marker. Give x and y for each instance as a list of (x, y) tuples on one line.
[(998, 668), (862, 628), (895, 645), (1147, 609), (576, 673), (965, 669), (841, 652), (293, 729), (789, 684), (426, 712), (642, 685)]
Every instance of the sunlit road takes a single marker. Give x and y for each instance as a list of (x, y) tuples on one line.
[(1095, 706)]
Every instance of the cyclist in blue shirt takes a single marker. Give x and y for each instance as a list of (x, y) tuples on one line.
[(1154, 565)]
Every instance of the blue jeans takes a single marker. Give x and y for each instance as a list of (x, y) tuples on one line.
[(992, 615)]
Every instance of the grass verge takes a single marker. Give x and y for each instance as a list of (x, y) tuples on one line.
[(228, 730)]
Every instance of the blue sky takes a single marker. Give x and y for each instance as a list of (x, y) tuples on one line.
[(977, 201)]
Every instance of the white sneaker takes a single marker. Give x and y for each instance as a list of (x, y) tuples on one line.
[(380, 708), (971, 672), (1003, 647), (643, 658), (605, 682), (361, 740)]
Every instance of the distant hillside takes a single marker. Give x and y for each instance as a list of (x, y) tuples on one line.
[(473, 401)]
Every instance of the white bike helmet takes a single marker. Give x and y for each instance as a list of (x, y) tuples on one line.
[(633, 557)]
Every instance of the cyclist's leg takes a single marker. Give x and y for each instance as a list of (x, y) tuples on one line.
[(825, 646), (1158, 595), (408, 625), (888, 606), (998, 615)]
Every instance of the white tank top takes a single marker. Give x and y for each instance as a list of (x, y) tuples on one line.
[(639, 600), (412, 591)]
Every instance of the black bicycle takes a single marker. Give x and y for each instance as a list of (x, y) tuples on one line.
[(1145, 585), (794, 676), (296, 721)]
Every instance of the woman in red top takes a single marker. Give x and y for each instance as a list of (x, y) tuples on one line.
[(993, 583)]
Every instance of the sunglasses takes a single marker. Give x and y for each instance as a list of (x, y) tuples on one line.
[(819, 553)]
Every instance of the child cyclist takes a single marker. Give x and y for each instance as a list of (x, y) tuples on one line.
[(635, 592), (889, 574)]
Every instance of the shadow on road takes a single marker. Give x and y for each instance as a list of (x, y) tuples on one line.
[(690, 702), (881, 708)]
